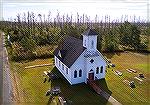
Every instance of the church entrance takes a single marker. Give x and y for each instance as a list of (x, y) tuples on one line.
[(91, 76)]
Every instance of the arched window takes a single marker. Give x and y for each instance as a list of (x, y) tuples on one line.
[(80, 73), (91, 60), (66, 70), (75, 74), (92, 44), (85, 43), (91, 70), (101, 69), (59, 63), (62, 66), (97, 70)]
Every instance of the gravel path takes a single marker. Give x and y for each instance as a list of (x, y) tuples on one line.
[(1, 68)]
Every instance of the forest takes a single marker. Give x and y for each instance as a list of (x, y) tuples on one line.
[(27, 38)]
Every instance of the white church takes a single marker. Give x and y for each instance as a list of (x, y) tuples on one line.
[(80, 61)]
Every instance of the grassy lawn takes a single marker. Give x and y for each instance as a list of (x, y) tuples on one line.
[(31, 81), (121, 91), (33, 88)]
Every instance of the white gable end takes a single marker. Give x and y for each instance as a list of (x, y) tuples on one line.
[(79, 64)]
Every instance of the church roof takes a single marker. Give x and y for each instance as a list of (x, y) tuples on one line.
[(89, 32), (69, 50)]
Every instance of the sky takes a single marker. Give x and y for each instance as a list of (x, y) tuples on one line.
[(113, 8)]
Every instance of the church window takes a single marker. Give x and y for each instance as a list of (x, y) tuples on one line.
[(91, 60), (97, 70), (66, 70), (92, 44), (101, 69), (80, 73), (75, 74), (85, 43), (91, 70), (62, 67), (59, 63)]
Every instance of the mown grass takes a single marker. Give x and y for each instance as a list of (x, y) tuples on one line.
[(121, 91), (31, 81), (34, 89), (80, 94)]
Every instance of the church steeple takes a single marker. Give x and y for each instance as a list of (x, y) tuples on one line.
[(90, 40)]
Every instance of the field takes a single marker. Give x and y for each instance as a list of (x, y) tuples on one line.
[(32, 89), (122, 91)]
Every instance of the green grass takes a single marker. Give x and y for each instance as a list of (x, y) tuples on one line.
[(31, 81), (121, 91), (34, 89), (80, 94)]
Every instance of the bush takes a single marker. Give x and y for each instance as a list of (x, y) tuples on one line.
[(143, 46)]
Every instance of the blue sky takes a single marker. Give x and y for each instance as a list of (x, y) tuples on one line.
[(115, 9)]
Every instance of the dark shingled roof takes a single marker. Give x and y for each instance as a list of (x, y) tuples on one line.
[(70, 49), (89, 32)]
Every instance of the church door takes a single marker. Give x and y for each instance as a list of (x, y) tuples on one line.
[(91, 76)]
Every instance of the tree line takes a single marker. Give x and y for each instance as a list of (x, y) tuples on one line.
[(28, 38)]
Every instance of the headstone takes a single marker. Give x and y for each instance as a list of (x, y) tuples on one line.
[(132, 84), (141, 75), (48, 93), (113, 65), (56, 90), (45, 80)]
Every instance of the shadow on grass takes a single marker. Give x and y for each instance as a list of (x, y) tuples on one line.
[(79, 94), (50, 100), (103, 85)]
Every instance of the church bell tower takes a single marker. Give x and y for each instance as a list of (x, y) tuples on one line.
[(90, 40)]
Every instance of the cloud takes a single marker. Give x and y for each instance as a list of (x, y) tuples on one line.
[(91, 8)]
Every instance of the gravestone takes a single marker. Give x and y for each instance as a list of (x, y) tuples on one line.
[(141, 75), (132, 84)]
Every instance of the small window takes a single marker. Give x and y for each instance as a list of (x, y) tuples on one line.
[(75, 74), (92, 44), (91, 70), (91, 60), (97, 70), (80, 73), (59, 63), (62, 67), (66, 70), (85, 43), (101, 69)]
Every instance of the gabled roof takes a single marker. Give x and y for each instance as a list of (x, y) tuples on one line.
[(70, 49), (89, 32)]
